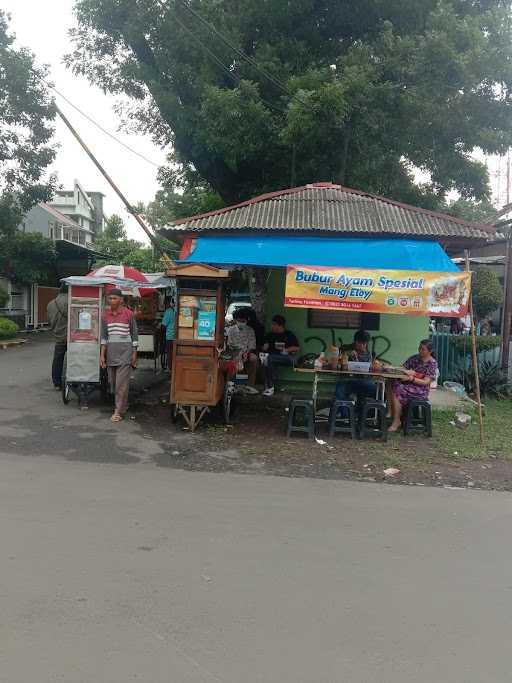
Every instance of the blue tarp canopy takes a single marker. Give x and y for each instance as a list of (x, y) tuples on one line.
[(347, 252)]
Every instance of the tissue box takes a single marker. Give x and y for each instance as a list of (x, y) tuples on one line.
[(356, 366)]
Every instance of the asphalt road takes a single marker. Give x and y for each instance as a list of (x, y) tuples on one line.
[(115, 569)]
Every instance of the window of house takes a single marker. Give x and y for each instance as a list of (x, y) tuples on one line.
[(17, 298), (343, 320), (51, 231)]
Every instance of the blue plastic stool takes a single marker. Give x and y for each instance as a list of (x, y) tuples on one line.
[(418, 417), (373, 420), (304, 405), (344, 424)]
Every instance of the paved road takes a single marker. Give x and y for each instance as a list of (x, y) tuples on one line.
[(115, 569)]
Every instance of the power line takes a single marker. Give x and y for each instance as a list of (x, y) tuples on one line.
[(273, 79), (219, 62), (103, 130)]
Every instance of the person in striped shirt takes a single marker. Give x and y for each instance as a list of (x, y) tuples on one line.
[(119, 341)]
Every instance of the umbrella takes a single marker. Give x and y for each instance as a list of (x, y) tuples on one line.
[(125, 273)]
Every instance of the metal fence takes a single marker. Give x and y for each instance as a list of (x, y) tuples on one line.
[(450, 358)]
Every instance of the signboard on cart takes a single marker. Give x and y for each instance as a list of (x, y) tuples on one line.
[(399, 292)]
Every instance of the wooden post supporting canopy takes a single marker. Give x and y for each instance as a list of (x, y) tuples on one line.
[(475, 361), (507, 309)]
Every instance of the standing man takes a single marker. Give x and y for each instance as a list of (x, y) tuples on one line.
[(169, 324), (119, 341), (57, 311)]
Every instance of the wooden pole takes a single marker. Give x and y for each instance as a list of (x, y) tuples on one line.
[(475, 360), (167, 260), (507, 310)]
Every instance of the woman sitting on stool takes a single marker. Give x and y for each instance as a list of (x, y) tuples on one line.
[(421, 371)]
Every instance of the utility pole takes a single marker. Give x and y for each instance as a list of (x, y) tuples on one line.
[(165, 258)]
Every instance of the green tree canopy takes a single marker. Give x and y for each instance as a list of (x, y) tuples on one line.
[(487, 292), (285, 93), (26, 115), (119, 250), (26, 258)]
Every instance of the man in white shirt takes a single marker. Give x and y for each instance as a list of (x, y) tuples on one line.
[(242, 342)]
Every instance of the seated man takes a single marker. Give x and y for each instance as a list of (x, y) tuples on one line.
[(361, 388), (282, 347), (241, 341)]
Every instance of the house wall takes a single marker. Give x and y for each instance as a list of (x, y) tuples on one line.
[(397, 338), (37, 220)]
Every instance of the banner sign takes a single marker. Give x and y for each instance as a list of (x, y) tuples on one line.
[(379, 291)]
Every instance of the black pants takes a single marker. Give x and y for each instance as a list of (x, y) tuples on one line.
[(58, 362)]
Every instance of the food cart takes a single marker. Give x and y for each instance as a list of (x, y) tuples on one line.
[(148, 326), (82, 374), (198, 379)]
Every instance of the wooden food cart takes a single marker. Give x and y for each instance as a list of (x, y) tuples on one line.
[(81, 374), (197, 377)]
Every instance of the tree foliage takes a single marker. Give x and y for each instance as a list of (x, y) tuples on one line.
[(487, 292), (27, 258), (361, 93), (470, 210), (26, 115), (119, 250)]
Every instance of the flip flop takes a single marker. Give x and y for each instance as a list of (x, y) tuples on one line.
[(116, 418)]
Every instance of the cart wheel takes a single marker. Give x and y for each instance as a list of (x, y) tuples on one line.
[(65, 392), (65, 386)]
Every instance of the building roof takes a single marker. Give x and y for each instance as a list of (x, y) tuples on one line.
[(328, 208), (61, 217)]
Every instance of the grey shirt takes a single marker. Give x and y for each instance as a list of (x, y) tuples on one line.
[(58, 317)]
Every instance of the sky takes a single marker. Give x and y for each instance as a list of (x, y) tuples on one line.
[(43, 27)]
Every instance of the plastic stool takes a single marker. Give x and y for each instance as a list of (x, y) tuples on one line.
[(379, 430), (344, 425), (418, 417), (306, 405)]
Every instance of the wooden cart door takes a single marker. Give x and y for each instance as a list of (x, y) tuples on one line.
[(194, 380)]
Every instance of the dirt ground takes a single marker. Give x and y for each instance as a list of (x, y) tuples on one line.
[(256, 443)]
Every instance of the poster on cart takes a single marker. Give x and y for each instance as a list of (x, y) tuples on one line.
[(402, 292)]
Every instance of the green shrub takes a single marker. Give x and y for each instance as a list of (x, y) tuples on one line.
[(8, 329), (493, 381), (462, 343), (487, 292)]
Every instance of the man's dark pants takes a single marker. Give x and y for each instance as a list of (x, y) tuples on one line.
[(274, 361), (58, 362), (361, 388)]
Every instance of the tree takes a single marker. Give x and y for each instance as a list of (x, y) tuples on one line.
[(26, 258), (119, 250), (470, 210), (26, 114), (179, 198), (487, 293), (256, 96)]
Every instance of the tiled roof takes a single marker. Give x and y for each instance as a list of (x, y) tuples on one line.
[(62, 218), (323, 207)]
